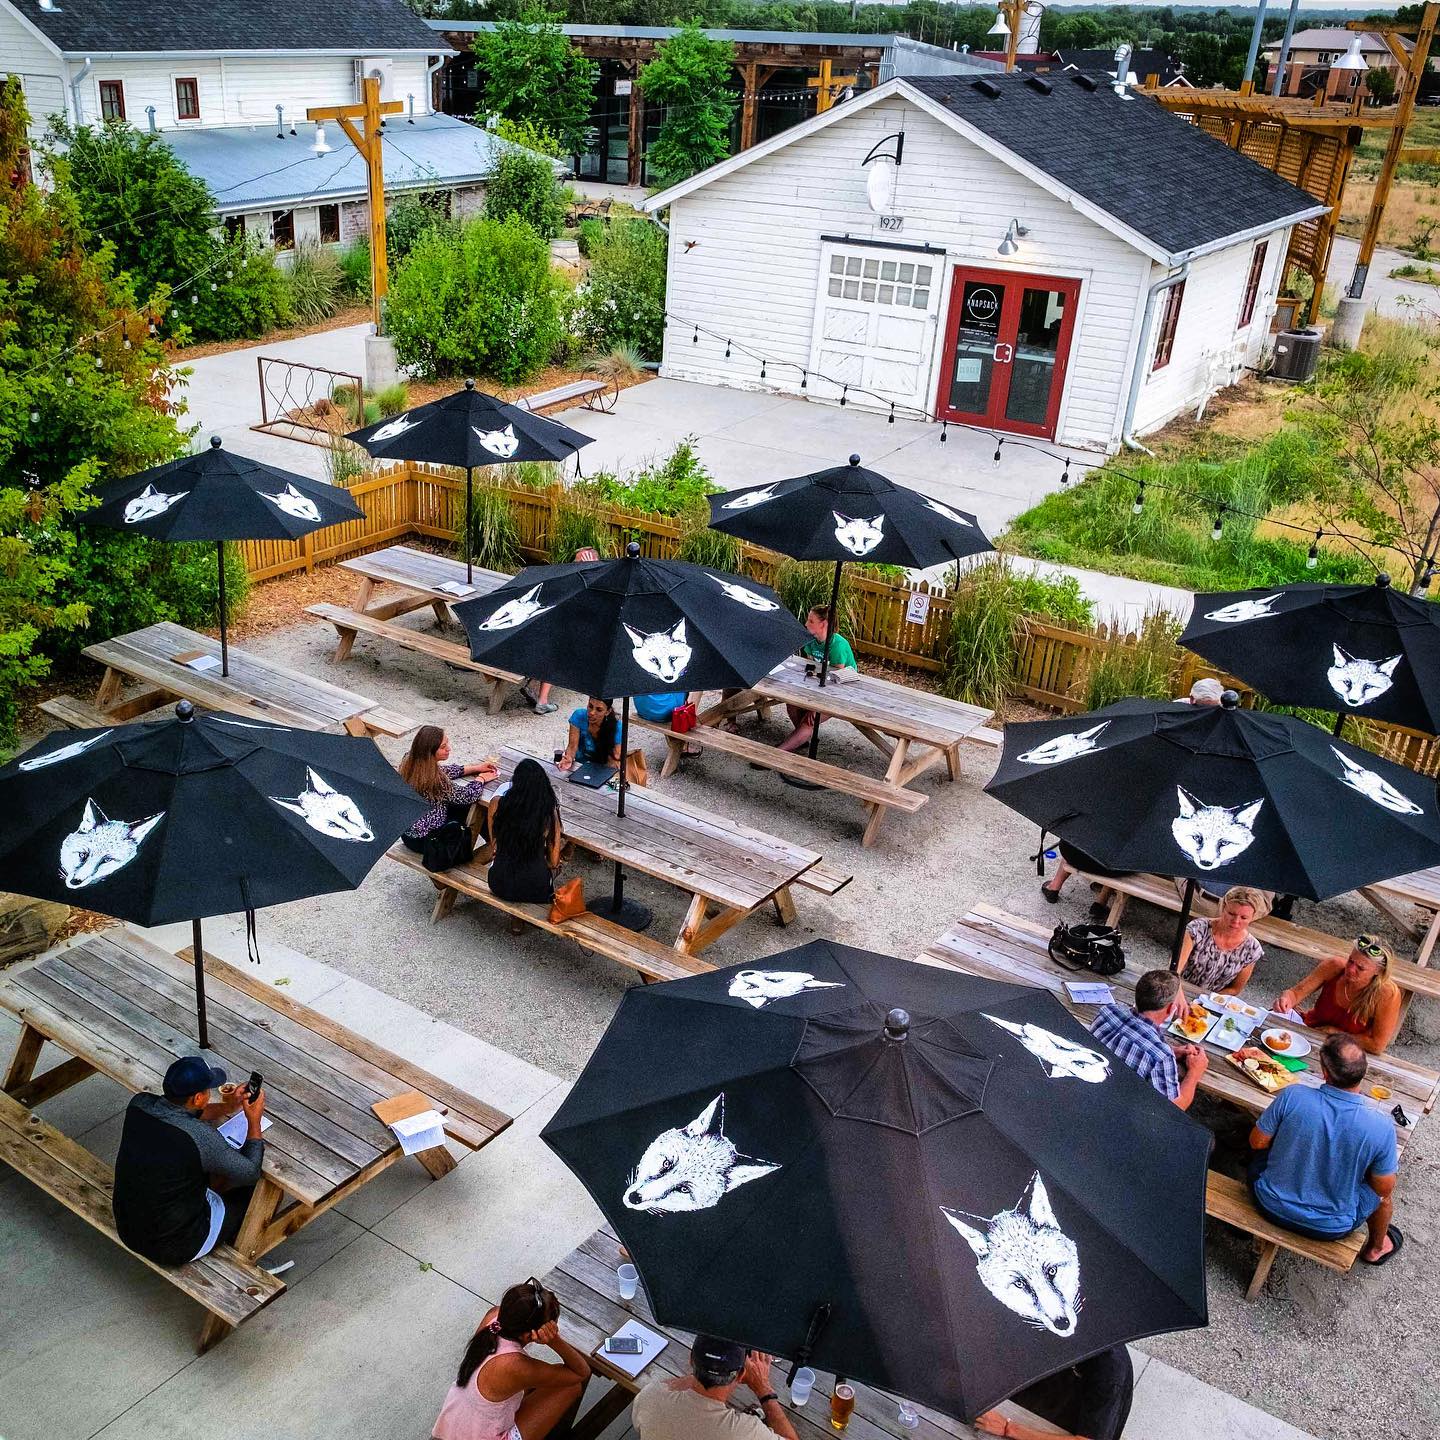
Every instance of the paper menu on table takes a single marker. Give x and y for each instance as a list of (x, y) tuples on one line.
[(198, 660), (455, 587), (1084, 992), (236, 1128), (425, 1131), (651, 1345)]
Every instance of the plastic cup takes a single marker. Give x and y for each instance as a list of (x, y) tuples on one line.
[(627, 1277), (908, 1416), (801, 1386)]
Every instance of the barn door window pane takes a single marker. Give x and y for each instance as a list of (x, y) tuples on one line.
[(282, 229), (329, 224), (1252, 284), (1169, 322), (112, 100), (187, 99)]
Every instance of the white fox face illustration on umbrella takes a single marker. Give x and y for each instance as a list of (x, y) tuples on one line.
[(743, 596), (945, 512), (503, 443), (291, 502), (394, 430), (1062, 1059), (514, 613), (751, 499), (326, 810), (662, 653), (149, 503), (760, 987), (99, 846), (1060, 748), (1240, 610), (1358, 681), (859, 535), (65, 752), (1375, 787), (692, 1167), (1213, 835)]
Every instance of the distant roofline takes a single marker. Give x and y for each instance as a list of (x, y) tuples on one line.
[(883, 41)]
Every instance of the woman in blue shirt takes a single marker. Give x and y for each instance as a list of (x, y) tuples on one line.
[(595, 735)]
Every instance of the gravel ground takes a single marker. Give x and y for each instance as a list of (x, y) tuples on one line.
[(1312, 1350)]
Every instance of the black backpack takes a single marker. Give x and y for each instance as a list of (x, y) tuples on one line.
[(450, 845), (1095, 948)]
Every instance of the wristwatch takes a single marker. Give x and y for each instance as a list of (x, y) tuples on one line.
[(766, 1399)]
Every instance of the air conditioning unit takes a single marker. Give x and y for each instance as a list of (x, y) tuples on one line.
[(1297, 352), (382, 67)]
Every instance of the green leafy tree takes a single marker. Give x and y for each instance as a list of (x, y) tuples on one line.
[(526, 134), (1380, 85), (690, 77), (529, 71), (524, 184)]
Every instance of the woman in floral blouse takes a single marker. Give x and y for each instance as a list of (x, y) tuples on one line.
[(1219, 955), (448, 786)]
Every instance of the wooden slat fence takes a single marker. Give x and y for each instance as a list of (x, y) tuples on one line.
[(1053, 665)]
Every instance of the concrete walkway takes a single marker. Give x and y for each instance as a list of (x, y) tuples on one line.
[(1400, 299), (386, 1287)]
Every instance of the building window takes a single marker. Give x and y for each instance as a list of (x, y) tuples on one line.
[(1169, 320), (282, 229), (898, 283), (234, 227), (187, 99), (329, 224), (1252, 284), (112, 100)]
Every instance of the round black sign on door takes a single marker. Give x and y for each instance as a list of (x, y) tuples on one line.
[(982, 307)]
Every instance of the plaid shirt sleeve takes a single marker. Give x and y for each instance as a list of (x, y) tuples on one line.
[(1137, 1043)]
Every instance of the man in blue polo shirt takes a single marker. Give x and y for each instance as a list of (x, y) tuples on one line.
[(1323, 1160)]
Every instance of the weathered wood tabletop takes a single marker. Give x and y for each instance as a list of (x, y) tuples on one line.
[(258, 687), (590, 1309), (1001, 946), (422, 575), (723, 866), (1420, 888), (124, 1007)]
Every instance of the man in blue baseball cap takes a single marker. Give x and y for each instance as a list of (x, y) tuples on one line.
[(180, 1188)]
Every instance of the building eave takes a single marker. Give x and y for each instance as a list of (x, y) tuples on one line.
[(347, 52), (34, 29)]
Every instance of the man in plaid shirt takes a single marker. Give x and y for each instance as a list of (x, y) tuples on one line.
[(1134, 1036)]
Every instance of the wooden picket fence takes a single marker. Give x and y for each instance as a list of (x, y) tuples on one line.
[(1054, 662)]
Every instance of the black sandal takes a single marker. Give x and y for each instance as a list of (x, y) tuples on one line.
[(1397, 1243), (1052, 897)]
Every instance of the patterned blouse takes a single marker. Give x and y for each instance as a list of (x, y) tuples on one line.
[(465, 792), (1212, 968)]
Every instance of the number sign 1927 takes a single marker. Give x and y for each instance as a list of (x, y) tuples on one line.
[(892, 222)]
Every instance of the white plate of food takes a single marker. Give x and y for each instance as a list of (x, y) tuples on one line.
[(1231, 1031), (1194, 1025), (1285, 1042), (1231, 1005)]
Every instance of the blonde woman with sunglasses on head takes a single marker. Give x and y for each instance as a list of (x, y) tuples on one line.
[(1357, 996)]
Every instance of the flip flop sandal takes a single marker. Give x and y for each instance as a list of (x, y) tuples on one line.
[(1397, 1243), (1052, 897)]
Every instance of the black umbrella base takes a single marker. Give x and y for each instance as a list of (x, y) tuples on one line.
[(796, 783), (631, 914)]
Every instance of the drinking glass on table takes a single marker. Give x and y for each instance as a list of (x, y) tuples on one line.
[(627, 1277), (842, 1405), (801, 1386), (908, 1416)]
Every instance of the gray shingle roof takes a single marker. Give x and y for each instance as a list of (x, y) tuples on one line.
[(1152, 171), (365, 27), (249, 169)]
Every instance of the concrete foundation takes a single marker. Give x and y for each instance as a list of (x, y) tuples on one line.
[(1349, 321), (381, 367)]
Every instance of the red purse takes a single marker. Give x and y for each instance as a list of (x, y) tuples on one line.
[(683, 719)]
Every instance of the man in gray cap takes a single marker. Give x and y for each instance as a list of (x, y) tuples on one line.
[(180, 1189), (696, 1406)]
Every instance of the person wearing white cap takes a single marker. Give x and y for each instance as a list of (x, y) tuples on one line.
[(1205, 691)]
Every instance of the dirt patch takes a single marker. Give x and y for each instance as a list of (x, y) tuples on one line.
[(351, 315), (1251, 410)]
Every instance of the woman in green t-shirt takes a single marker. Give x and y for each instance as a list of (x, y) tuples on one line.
[(842, 657)]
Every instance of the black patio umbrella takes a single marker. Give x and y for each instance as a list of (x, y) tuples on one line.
[(200, 815), (470, 429), (631, 626), (872, 1167), (1355, 649), (219, 495), (848, 513), (1241, 797)]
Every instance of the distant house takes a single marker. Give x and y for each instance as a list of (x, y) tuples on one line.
[(1310, 61), (1049, 258), (227, 86)]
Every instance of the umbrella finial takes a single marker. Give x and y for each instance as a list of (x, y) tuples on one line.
[(897, 1024), (1382, 580), (632, 550), (854, 459), (1229, 700), (469, 384), (214, 442), (185, 712)]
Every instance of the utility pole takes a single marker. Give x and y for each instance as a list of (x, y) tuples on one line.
[(1254, 52), (1284, 54), (367, 141)]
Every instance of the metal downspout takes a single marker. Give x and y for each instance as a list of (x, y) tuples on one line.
[(75, 84)]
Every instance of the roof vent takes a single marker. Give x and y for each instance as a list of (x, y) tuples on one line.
[(49, 6), (1036, 83), (988, 88), (1086, 82)]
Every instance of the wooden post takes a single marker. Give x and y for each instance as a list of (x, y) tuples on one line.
[(825, 85), (635, 146), (753, 78), (369, 142)]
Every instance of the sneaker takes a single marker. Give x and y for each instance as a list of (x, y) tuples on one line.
[(548, 708), (528, 695)]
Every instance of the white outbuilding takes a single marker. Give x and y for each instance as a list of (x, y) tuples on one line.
[(1045, 256)]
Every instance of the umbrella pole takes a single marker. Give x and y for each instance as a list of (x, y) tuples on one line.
[(825, 656), (1339, 725), (1184, 920), (469, 504), (629, 913), (197, 946), (220, 568)]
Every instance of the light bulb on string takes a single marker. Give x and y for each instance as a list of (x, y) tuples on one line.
[(1139, 504), (152, 327), (727, 349), (1218, 528), (69, 379), (695, 338), (99, 363), (804, 379), (1312, 559), (34, 417), (891, 420), (944, 431), (844, 397), (127, 342), (1065, 474), (213, 286), (762, 369), (194, 299), (996, 456)]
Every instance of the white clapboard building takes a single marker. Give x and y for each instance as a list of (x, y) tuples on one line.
[(227, 87), (1048, 257)]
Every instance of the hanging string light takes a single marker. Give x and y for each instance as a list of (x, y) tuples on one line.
[(1312, 559), (1065, 473), (727, 349), (944, 431), (998, 444), (1218, 528), (1139, 504), (695, 339), (891, 420), (844, 396), (762, 369), (804, 379)]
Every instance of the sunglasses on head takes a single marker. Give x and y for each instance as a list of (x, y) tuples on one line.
[(537, 1291), (1369, 945)]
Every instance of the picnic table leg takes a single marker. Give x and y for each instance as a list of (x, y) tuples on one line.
[(437, 1160), (872, 826), (22, 1063), (355, 725), (258, 1214), (952, 760), (1416, 931), (344, 643), (1118, 901), (444, 902), (1268, 1251), (499, 693), (364, 592), (442, 612), (107, 692), (674, 749), (784, 904), (1427, 943), (696, 932)]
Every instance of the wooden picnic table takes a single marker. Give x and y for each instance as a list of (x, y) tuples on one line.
[(255, 687), (1000, 946), (122, 1006), (590, 1309), (729, 870), (1420, 888), (913, 729)]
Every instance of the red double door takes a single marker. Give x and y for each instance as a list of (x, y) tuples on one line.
[(1007, 343)]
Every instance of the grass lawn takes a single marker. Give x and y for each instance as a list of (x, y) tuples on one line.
[(1412, 213)]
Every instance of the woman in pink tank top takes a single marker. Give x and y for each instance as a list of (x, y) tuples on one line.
[(500, 1392)]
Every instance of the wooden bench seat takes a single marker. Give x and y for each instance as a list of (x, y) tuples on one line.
[(381, 720), (224, 1282), (651, 958), (351, 623), (591, 393), (832, 777), (994, 739), (825, 878), (1228, 1200), (1156, 890), (75, 714)]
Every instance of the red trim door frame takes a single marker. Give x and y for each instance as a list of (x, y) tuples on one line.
[(984, 352)]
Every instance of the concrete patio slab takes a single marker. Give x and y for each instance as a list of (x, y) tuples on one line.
[(1170, 1403)]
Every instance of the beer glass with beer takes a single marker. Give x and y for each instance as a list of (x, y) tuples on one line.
[(842, 1405)]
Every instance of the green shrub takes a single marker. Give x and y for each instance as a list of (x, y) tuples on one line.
[(527, 134), (987, 622), (527, 475), (494, 533), (623, 299), (578, 523), (314, 283), (476, 299), (1143, 665), (589, 233), (804, 585), (523, 185), (410, 219), (344, 399), (355, 268), (393, 398), (672, 486), (346, 462)]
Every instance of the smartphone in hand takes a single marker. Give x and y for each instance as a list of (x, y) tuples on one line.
[(252, 1086)]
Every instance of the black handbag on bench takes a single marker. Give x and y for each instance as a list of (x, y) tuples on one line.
[(1095, 948), (448, 846)]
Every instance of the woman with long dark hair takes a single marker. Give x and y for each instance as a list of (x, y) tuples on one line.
[(525, 826), (500, 1392), (447, 785), (594, 737)]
